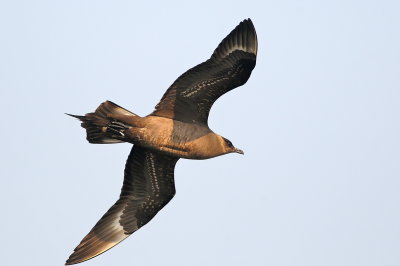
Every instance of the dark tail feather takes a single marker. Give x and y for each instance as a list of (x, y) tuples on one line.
[(101, 128)]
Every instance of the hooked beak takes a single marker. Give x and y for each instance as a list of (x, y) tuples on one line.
[(239, 151)]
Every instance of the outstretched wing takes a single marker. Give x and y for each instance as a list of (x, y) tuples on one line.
[(190, 97), (148, 187)]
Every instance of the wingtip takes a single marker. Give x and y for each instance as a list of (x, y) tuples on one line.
[(248, 20), (71, 260), (68, 262), (243, 37), (248, 23)]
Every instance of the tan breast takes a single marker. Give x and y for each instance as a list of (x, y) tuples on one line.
[(175, 138)]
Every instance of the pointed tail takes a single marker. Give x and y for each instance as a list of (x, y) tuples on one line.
[(102, 127)]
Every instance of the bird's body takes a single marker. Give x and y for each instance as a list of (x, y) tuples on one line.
[(179, 139), (172, 137), (177, 128)]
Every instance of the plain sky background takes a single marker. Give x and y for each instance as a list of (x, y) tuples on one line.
[(318, 121)]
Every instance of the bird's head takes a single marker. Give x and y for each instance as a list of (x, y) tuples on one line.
[(229, 148)]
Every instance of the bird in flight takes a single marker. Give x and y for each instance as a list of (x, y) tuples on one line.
[(177, 128)]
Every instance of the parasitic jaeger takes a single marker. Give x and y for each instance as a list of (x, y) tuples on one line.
[(177, 128)]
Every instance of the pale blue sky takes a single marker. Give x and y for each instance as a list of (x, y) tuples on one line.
[(318, 121)]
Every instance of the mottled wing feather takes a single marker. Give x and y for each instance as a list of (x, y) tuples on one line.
[(148, 187), (190, 98)]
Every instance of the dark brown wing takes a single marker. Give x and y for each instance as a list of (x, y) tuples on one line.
[(190, 97), (148, 187)]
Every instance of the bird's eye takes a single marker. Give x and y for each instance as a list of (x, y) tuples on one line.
[(228, 142)]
